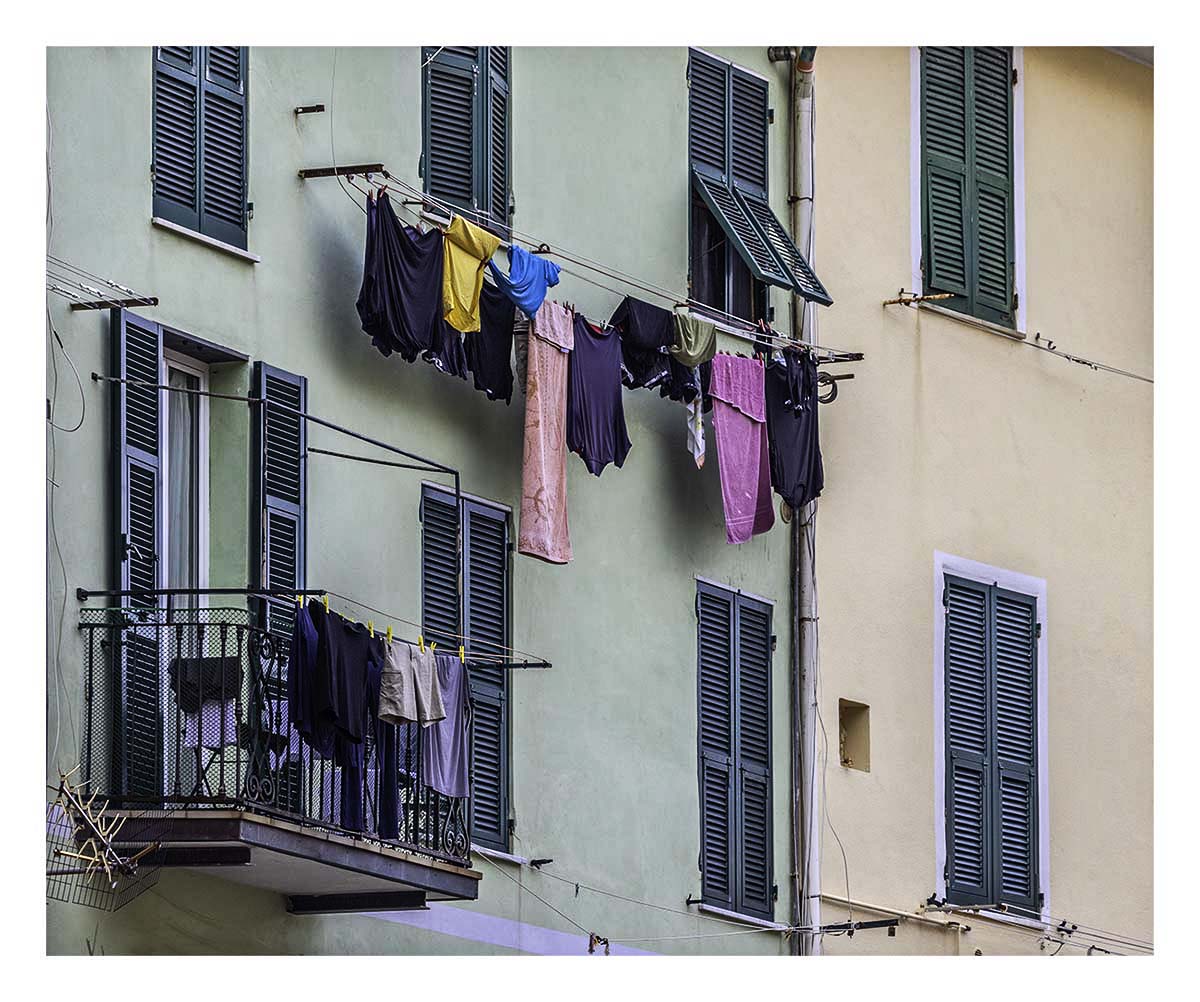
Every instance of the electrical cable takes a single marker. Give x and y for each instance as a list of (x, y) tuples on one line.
[(563, 915), (332, 152)]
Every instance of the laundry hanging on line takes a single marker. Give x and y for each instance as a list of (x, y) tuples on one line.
[(528, 278), (595, 411), (739, 420)]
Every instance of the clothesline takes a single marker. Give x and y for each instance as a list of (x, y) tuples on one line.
[(731, 324)]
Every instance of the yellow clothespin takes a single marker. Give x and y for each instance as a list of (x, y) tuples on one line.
[(462, 654), (421, 643), (371, 628), (389, 634), (300, 600), (325, 599), (433, 648)]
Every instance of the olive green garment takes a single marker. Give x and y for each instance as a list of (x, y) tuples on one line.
[(695, 341)]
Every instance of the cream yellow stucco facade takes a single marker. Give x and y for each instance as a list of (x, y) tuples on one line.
[(963, 442)]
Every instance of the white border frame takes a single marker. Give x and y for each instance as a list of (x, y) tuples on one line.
[(914, 177), (943, 564), (175, 360)]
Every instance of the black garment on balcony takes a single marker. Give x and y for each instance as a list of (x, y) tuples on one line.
[(595, 411), (794, 446), (646, 332), (400, 300), (308, 647), (489, 349), (363, 659), (339, 696)]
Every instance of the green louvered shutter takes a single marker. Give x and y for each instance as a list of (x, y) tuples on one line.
[(992, 174), (967, 178), (968, 728), (499, 132), (224, 143), (753, 761), (440, 608), (748, 131), (138, 509), (176, 134), (718, 816), (485, 602), (708, 114), (279, 445), (1015, 808), (453, 169), (944, 150)]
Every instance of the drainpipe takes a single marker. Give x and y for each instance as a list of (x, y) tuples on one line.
[(806, 827)]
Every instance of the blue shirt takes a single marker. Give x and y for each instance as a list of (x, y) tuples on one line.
[(528, 278)]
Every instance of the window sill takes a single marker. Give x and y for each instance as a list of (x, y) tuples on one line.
[(986, 325), (1010, 918), (498, 856), (725, 913), (200, 238)]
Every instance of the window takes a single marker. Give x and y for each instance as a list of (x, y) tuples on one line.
[(484, 573), (968, 243), (466, 129), (734, 729), (200, 139), (185, 525), (991, 710), (738, 246)]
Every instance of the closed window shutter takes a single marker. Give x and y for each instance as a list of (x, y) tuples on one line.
[(708, 114), (754, 757), (499, 133), (1016, 748), (453, 164), (968, 724), (223, 144), (280, 447), (138, 507), (748, 131), (967, 200), (485, 584), (992, 132), (718, 819), (176, 137)]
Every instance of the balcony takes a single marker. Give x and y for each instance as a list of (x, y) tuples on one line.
[(186, 711)]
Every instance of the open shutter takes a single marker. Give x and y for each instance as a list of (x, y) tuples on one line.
[(1015, 837), (992, 177), (968, 724), (176, 137), (280, 448), (745, 238), (802, 279), (945, 185), (485, 592), (753, 790), (499, 135), (715, 610), (453, 167), (223, 143), (138, 509)]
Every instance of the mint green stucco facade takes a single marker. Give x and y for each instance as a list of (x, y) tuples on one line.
[(604, 754)]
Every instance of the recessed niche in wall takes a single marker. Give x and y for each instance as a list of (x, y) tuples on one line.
[(854, 734)]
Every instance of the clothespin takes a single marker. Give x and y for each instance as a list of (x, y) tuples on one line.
[(433, 648), (421, 643), (462, 654), (300, 600), (371, 628), (325, 599), (389, 635)]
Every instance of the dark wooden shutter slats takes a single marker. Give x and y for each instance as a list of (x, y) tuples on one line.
[(966, 135), (484, 570), (734, 737), (708, 113), (281, 442), (466, 128), (991, 743), (748, 130), (138, 509), (200, 139), (743, 235), (800, 275)]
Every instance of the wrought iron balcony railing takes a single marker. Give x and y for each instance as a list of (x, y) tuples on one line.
[(187, 708)]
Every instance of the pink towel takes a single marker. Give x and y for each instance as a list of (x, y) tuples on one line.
[(739, 420), (544, 530)]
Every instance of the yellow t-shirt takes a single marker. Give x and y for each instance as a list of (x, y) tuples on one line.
[(467, 248)]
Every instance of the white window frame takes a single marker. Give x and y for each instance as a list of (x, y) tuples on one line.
[(1024, 584), (175, 360), (914, 177)]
